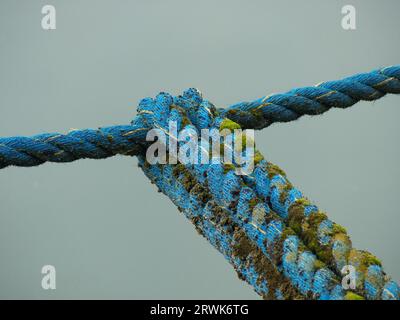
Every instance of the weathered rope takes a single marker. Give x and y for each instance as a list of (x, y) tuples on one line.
[(306, 247), (289, 106), (106, 142), (76, 144), (276, 239), (214, 222)]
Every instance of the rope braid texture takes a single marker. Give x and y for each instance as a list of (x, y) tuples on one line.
[(315, 100), (275, 238)]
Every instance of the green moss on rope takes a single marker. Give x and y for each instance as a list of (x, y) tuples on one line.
[(178, 169), (315, 218), (370, 260), (273, 170), (296, 216), (187, 180), (228, 167), (201, 192), (337, 228), (246, 250), (352, 296), (318, 264), (258, 157), (252, 203), (310, 237), (284, 192), (185, 121), (228, 124)]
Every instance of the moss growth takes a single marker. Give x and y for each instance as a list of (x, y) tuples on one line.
[(277, 251), (252, 203), (337, 228), (310, 237), (303, 202), (252, 255), (229, 124), (185, 121), (228, 167), (178, 169), (323, 252), (174, 106), (284, 192), (185, 177), (296, 216), (370, 259), (197, 224), (267, 271), (188, 181), (146, 164), (352, 296), (274, 170), (318, 264), (286, 233), (258, 157), (221, 217), (243, 245), (202, 193), (343, 237), (316, 218), (355, 258), (362, 260)]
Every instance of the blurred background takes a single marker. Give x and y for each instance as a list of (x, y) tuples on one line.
[(103, 226)]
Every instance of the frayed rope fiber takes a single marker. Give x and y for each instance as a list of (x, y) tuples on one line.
[(274, 237)]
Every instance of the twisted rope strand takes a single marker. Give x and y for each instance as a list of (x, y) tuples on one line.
[(290, 106), (215, 224), (76, 144), (106, 142)]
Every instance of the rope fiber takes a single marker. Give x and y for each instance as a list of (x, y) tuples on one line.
[(315, 100), (275, 238)]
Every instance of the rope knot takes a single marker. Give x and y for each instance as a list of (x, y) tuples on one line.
[(187, 109)]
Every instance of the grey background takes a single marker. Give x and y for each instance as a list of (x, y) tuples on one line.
[(101, 223)]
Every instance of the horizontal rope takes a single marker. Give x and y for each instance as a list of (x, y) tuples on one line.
[(289, 106), (76, 144)]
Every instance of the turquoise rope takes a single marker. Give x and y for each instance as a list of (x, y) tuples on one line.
[(263, 209)]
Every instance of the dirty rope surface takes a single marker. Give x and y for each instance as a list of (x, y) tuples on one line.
[(275, 238)]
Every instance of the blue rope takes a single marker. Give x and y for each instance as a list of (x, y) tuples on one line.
[(276, 240), (126, 140), (106, 142), (76, 144)]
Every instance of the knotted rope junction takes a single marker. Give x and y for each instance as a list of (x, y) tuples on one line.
[(275, 238)]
